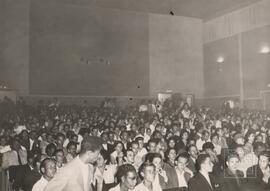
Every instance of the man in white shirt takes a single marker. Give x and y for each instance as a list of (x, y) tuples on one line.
[(204, 138), (79, 173), (147, 172), (182, 172), (48, 170)]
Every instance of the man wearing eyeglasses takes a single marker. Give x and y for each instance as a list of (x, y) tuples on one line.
[(127, 176)]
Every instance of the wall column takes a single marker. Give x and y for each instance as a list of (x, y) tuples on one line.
[(240, 70)]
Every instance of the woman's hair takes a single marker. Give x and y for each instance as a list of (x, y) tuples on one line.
[(118, 142), (182, 133), (70, 144), (248, 135), (104, 155), (168, 152)]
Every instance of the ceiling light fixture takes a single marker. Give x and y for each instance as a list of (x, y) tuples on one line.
[(220, 59), (265, 50)]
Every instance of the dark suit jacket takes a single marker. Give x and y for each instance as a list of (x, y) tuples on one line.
[(229, 180), (199, 183), (16, 175), (30, 178), (172, 176), (191, 165), (255, 176), (109, 150)]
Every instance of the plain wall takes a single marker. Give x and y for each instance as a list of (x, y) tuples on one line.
[(14, 57), (176, 55), (1, 38), (46, 45), (60, 40)]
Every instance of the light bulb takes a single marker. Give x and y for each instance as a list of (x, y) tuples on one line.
[(265, 50), (220, 59)]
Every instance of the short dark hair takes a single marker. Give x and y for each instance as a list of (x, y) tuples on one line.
[(149, 157), (58, 151), (70, 144), (153, 140), (60, 135), (232, 155), (49, 147), (143, 167), (134, 142), (265, 153), (182, 155), (123, 170), (139, 139), (118, 142), (213, 135), (256, 146), (44, 162), (182, 132), (208, 145), (204, 132), (201, 159), (190, 146), (91, 143)]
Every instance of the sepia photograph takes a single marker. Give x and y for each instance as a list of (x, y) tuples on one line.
[(134, 95)]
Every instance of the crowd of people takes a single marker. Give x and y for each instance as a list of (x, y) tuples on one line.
[(152, 146)]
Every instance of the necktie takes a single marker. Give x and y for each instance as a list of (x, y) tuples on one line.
[(19, 158)]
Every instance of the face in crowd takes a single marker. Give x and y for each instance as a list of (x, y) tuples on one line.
[(149, 173), (232, 163), (193, 152), (207, 165), (130, 180), (181, 163), (263, 162)]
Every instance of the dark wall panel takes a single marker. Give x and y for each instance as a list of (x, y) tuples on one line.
[(221, 79), (1, 39), (256, 66), (14, 59), (63, 37)]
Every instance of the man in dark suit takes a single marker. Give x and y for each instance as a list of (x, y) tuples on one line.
[(203, 181), (259, 174), (193, 154), (231, 178), (108, 148), (32, 174)]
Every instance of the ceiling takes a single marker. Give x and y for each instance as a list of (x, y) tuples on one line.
[(203, 9)]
